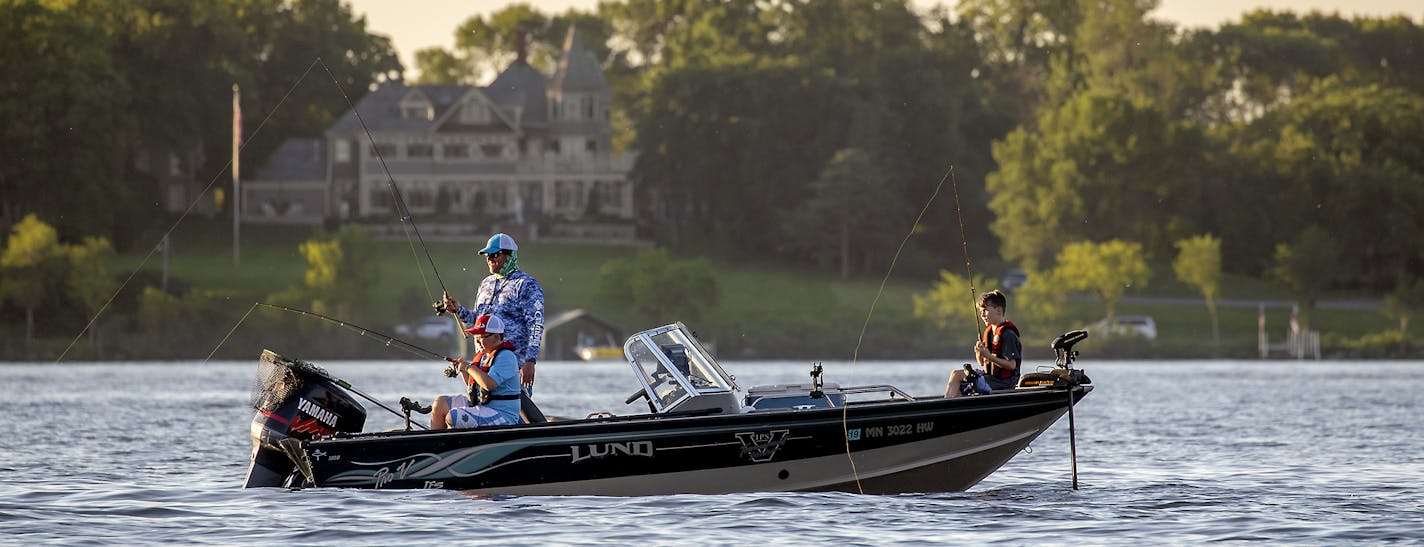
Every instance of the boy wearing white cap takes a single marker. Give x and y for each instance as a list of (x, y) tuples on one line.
[(492, 378)]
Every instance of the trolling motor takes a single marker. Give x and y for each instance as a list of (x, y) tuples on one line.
[(1063, 374), (816, 384), (294, 400)]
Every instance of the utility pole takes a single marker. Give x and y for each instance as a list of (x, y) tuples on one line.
[(236, 178)]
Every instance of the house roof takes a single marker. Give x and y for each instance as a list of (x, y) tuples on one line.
[(578, 70), (381, 109), (295, 160), (521, 85)]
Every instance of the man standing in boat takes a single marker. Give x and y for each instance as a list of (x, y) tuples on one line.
[(998, 351), (515, 297)]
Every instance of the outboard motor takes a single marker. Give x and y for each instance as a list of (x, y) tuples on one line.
[(294, 399)]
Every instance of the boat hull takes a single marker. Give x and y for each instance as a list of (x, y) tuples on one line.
[(933, 445)]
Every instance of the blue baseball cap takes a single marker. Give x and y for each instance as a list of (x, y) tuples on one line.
[(499, 242)]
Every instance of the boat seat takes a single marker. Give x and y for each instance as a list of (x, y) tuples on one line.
[(528, 411)]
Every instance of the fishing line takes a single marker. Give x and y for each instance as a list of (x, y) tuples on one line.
[(229, 333), (401, 208), (187, 211), (845, 409), (390, 341), (964, 239)]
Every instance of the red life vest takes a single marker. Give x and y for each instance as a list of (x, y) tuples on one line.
[(486, 360), (991, 339)]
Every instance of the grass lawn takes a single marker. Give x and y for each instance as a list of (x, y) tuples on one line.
[(763, 306)]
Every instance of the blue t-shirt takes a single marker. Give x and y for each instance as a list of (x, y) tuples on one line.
[(505, 372)]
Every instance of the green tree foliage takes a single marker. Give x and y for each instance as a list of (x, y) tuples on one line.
[(1345, 157), (88, 279), (91, 82), (658, 287), (1106, 269), (1269, 58), (31, 267), (1307, 266), (1404, 303), (1198, 264), (1098, 167), (61, 99), (339, 271), (834, 224), (950, 303)]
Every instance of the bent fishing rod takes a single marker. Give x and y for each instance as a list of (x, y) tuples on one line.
[(387, 340), (405, 215)]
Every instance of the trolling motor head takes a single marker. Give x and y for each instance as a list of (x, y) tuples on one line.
[(1063, 347)]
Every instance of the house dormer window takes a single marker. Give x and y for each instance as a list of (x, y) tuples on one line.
[(415, 107), (475, 113)]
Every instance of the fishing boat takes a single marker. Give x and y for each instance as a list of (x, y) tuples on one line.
[(702, 434)]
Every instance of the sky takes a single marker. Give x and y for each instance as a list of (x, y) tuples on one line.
[(431, 23)]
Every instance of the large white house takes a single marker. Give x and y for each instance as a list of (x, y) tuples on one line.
[(523, 151)]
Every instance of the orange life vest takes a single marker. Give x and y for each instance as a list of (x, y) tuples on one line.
[(991, 339)]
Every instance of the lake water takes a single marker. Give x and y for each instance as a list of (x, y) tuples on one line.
[(1168, 452)]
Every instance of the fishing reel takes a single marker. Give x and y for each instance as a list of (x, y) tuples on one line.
[(439, 307)]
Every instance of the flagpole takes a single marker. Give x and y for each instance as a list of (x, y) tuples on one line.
[(236, 178)]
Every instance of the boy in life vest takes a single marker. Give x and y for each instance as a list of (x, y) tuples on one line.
[(998, 350), (492, 378)]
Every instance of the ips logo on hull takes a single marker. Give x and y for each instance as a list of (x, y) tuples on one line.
[(762, 446)]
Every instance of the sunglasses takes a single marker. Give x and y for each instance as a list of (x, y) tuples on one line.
[(492, 256)]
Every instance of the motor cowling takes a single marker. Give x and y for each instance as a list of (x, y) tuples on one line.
[(294, 399)]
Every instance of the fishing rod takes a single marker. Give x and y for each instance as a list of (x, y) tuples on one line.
[(388, 340), (401, 208)]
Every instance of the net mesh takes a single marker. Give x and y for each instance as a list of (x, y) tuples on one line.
[(278, 378)]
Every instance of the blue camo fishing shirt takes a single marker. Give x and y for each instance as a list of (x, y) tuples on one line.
[(519, 302)]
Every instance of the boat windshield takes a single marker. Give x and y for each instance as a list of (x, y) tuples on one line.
[(674, 366)]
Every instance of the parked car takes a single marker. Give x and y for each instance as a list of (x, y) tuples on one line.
[(1133, 325), (435, 327), (1013, 279)]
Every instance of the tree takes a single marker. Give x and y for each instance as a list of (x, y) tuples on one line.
[(339, 268), (658, 287), (1307, 266), (1198, 264), (88, 280), (1098, 167), (31, 263), (835, 221), (950, 302), (1107, 269), (1404, 303), (61, 99)]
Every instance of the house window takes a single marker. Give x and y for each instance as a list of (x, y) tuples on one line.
[(474, 113), (551, 146), (498, 197), (457, 151), (588, 108), (420, 196), (590, 145), (609, 194), (492, 150), (568, 194), (175, 165), (384, 149), (380, 198), (343, 151), (419, 150)]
